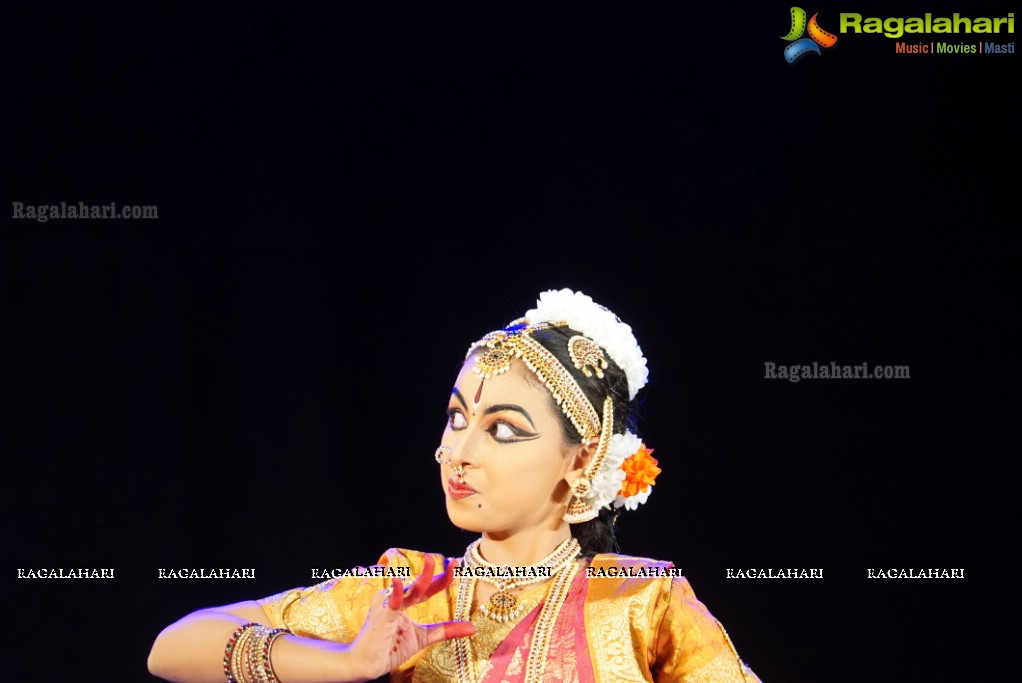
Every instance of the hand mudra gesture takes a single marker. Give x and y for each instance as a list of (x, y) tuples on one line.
[(389, 637)]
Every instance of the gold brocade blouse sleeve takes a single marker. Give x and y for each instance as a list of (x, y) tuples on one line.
[(336, 609), (691, 646)]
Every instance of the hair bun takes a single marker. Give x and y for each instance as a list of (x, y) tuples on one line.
[(599, 324)]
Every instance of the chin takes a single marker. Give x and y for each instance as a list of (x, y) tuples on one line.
[(463, 519)]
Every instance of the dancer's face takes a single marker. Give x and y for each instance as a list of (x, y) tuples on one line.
[(512, 449)]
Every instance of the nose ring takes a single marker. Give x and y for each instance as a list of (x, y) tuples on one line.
[(439, 455)]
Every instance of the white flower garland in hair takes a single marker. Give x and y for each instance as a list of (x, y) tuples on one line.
[(599, 324), (633, 502), (607, 482), (616, 338)]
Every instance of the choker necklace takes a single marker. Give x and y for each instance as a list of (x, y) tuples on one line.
[(542, 630), (504, 605)]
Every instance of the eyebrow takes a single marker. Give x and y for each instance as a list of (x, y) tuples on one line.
[(457, 395), (509, 406)]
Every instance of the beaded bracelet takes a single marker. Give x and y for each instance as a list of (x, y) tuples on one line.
[(240, 658), (247, 656), (229, 651), (270, 675)]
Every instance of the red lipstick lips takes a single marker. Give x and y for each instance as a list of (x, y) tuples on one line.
[(459, 490)]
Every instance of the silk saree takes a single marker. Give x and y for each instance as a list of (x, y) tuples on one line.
[(611, 629)]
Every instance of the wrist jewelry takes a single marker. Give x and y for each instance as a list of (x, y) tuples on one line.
[(247, 655), (269, 676), (232, 649)]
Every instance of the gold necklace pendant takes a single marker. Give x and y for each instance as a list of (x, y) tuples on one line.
[(540, 647), (502, 605)]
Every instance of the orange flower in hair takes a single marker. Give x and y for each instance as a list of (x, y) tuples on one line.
[(640, 470)]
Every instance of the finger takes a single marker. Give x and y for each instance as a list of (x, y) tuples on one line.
[(397, 595), (441, 582), (451, 629), (421, 583)]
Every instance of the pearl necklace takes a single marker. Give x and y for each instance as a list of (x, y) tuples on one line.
[(543, 629), (503, 605)]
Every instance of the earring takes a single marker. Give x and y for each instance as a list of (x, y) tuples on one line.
[(581, 487), (580, 510), (439, 455)]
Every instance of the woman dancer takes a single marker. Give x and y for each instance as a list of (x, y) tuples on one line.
[(539, 457)]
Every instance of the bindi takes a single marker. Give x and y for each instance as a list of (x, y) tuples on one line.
[(479, 394)]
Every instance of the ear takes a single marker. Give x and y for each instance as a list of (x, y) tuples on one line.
[(581, 455)]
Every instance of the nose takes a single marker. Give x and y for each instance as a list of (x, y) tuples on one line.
[(459, 452)]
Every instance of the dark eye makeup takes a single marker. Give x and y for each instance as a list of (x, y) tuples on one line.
[(520, 434)]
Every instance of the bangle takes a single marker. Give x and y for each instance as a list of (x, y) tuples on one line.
[(252, 655), (247, 656), (232, 648), (266, 644), (240, 666)]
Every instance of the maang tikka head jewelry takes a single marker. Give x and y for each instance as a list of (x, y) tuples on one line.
[(498, 349), (495, 352), (617, 476)]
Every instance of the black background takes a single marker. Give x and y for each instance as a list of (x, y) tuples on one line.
[(349, 197)]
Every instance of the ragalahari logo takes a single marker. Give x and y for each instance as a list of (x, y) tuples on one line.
[(800, 46)]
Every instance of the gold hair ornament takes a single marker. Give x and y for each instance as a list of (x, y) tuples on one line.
[(586, 353), (501, 347)]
